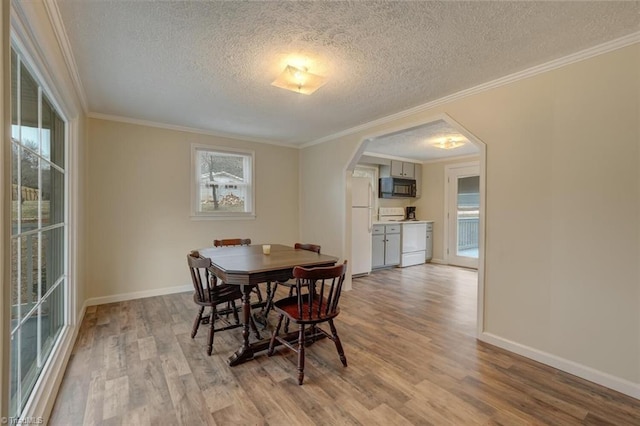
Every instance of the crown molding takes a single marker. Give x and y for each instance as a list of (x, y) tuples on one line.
[(392, 157), (51, 6), (455, 158), (582, 55), (165, 126)]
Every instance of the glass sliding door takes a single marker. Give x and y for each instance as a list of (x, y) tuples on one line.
[(38, 232)]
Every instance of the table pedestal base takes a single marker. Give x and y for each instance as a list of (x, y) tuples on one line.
[(240, 356)]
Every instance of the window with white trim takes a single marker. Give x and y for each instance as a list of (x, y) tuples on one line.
[(39, 232), (222, 185)]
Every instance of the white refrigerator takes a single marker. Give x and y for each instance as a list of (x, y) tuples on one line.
[(361, 224)]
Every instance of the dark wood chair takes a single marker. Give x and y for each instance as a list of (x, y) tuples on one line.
[(316, 302), (291, 284), (239, 242), (232, 242), (210, 293)]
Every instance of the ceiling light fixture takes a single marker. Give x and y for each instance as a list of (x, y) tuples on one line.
[(448, 144), (299, 80)]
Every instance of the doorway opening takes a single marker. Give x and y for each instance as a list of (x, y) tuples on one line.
[(462, 214), (432, 145)]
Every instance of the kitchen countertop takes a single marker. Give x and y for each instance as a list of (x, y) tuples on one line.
[(392, 222)]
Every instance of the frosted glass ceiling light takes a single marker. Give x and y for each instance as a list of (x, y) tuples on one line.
[(299, 80), (448, 144)]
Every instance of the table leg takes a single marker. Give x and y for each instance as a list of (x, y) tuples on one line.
[(245, 353)]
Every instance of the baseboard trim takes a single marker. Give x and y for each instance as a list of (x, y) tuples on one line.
[(438, 261), (122, 297), (607, 380)]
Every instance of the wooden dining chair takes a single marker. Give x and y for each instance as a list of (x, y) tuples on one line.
[(208, 292), (271, 292), (232, 242), (229, 242), (316, 302)]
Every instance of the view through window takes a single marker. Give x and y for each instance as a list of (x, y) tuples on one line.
[(224, 182), (38, 232), (468, 216)]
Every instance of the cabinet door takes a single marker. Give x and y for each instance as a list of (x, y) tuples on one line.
[(408, 170), (428, 253), (392, 250), (396, 168), (377, 251)]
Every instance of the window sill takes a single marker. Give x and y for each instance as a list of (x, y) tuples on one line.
[(222, 217)]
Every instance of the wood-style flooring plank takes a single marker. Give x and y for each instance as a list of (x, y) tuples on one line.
[(409, 338)]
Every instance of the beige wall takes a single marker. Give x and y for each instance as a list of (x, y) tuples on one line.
[(562, 208), (139, 222), (431, 205), (323, 200)]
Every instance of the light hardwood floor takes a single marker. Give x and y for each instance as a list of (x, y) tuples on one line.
[(409, 339)]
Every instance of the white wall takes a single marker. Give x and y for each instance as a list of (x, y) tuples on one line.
[(562, 210), (139, 226)]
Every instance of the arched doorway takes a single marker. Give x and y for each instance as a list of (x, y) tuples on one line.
[(418, 143)]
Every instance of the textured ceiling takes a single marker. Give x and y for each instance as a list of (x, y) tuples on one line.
[(418, 143), (209, 65)]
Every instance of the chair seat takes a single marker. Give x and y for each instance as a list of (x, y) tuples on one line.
[(222, 293), (289, 307)]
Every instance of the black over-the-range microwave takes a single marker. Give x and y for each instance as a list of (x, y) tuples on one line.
[(391, 187)]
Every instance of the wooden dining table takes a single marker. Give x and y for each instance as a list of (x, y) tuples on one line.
[(247, 267)]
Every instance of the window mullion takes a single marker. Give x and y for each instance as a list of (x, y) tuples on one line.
[(40, 251), (39, 169), (19, 153), (18, 288), (19, 368), (19, 147), (39, 335)]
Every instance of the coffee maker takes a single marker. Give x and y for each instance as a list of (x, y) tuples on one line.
[(410, 213)]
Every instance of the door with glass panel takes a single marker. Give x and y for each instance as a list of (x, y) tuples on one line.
[(38, 231), (463, 215)]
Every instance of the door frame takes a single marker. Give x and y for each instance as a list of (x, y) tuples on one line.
[(474, 168)]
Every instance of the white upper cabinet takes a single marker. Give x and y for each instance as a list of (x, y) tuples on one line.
[(400, 169)]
